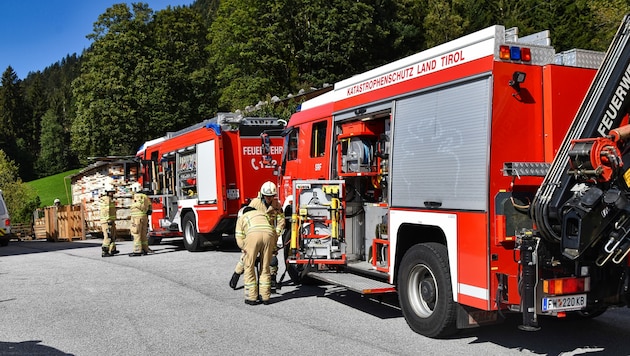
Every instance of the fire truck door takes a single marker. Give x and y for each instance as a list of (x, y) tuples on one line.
[(207, 171)]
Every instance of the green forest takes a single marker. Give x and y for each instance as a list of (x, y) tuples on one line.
[(150, 72)]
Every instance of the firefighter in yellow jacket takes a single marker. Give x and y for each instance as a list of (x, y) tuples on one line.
[(267, 203), (108, 222), (140, 211), (256, 237)]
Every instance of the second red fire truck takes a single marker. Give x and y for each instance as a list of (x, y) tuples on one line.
[(200, 176), (446, 177)]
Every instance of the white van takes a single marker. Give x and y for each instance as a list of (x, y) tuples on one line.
[(5, 223)]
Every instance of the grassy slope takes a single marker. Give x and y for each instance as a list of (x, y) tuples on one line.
[(52, 187)]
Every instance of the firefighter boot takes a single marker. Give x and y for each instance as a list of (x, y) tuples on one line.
[(274, 284), (273, 269), (105, 252), (234, 280)]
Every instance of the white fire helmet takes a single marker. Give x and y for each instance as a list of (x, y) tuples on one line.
[(288, 201), (268, 189)]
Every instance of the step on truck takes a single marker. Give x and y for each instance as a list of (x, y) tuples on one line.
[(485, 176), (200, 176)]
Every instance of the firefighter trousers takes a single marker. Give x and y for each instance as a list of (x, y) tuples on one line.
[(109, 237), (258, 242), (273, 265), (139, 230)]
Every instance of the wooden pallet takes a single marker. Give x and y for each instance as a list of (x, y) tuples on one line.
[(39, 229), (22, 231)]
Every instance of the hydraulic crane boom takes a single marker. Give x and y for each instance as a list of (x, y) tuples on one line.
[(605, 105)]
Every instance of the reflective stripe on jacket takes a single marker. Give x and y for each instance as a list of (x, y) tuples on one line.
[(108, 208), (252, 221), (273, 211), (140, 205)]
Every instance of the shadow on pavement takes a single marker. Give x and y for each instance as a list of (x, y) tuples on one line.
[(31, 347), (38, 246), (570, 335)]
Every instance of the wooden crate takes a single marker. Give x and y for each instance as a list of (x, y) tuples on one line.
[(64, 223)]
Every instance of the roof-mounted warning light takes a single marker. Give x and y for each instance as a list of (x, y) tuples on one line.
[(515, 53), (504, 52)]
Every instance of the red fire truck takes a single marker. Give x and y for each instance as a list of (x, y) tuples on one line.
[(200, 176), (446, 177)]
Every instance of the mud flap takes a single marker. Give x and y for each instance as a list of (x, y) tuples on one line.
[(469, 317)]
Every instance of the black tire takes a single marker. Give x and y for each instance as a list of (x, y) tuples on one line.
[(192, 239), (295, 273), (212, 240), (4, 242), (424, 291)]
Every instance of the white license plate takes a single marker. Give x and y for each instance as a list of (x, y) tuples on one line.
[(233, 194), (565, 302)]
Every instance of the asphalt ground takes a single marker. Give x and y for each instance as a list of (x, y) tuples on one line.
[(65, 299)]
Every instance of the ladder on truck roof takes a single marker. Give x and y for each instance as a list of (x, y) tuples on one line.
[(228, 118), (591, 120)]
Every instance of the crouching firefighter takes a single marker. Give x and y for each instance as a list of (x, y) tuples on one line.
[(257, 239), (267, 203)]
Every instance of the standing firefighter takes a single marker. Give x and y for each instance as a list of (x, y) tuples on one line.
[(257, 238), (266, 203), (140, 211), (108, 222)]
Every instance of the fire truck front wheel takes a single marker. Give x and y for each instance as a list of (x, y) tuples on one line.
[(212, 240), (424, 291), (192, 238)]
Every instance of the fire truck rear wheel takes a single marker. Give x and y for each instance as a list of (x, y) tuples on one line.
[(192, 239), (424, 291)]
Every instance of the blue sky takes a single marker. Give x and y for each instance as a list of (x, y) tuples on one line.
[(37, 33)]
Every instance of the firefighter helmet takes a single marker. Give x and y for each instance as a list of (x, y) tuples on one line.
[(268, 189), (109, 188)]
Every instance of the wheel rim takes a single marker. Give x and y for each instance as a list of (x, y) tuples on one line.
[(189, 232), (423, 292)]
